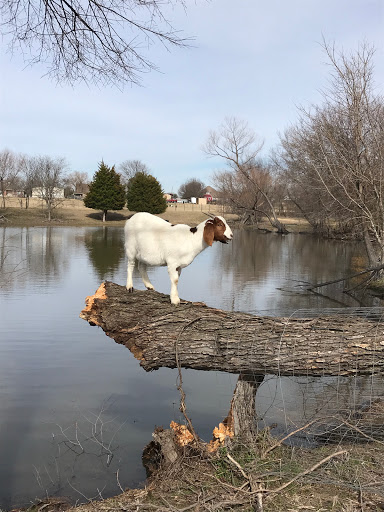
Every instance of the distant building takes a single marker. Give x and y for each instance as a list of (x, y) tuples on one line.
[(10, 192), (211, 195), (81, 190), (169, 198), (58, 193)]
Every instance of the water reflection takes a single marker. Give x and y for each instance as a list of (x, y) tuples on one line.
[(56, 371), (287, 403), (105, 250), (270, 272), (30, 255), (311, 410)]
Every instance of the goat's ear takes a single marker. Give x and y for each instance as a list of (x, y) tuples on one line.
[(209, 233)]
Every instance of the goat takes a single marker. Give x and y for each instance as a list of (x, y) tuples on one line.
[(153, 241)]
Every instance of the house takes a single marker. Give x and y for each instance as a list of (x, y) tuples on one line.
[(10, 192), (211, 194), (169, 198), (57, 193), (81, 190)]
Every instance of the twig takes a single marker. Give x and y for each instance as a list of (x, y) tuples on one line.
[(238, 466), (361, 432), (278, 443), (189, 507), (228, 503), (361, 500), (118, 481), (370, 269), (259, 499), (170, 507), (310, 470), (182, 406)]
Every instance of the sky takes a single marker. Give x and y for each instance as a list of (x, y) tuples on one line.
[(257, 60)]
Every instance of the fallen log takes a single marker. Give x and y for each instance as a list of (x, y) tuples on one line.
[(203, 338)]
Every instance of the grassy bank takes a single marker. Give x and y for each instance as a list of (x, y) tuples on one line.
[(252, 479), (72, 212)]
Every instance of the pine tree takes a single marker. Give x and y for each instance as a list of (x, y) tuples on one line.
[(145, 194), (105, 192)]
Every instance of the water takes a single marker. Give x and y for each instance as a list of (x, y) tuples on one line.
[(76, 409)]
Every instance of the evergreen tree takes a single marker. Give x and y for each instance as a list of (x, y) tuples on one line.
[(145, 194), (105, 192)]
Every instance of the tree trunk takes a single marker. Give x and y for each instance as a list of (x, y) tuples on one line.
[(104, 215), (203, 338), (242, 419)]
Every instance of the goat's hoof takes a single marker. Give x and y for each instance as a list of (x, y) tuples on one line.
[(175, 302), (130, 290), (151, 289)]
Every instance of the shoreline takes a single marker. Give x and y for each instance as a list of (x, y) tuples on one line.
[(72, 212)]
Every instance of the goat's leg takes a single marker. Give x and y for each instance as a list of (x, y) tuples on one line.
[(144, 276), (174, 274), (130, 267)]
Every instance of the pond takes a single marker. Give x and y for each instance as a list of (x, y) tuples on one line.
[(76, 410)]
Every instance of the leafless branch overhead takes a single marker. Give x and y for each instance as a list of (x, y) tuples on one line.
[(94, 41)]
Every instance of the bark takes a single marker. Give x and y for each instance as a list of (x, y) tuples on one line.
[(204, 338), (242, 419)]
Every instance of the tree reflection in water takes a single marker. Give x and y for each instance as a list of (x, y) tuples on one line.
[(105, 250)]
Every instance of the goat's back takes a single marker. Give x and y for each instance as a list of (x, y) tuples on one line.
[(152, 240), (142, 220)]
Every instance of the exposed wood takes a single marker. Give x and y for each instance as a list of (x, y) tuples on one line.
[(205, 338)]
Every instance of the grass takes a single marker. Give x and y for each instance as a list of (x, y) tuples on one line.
[(72, 212), (348, 483)]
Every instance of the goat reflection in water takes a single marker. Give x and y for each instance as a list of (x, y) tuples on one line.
[(152, 241)]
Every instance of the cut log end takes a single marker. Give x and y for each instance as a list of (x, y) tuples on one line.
[(88, 312)]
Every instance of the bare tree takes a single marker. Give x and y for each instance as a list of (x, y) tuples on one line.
[(48, 177), (129, 168), (99, 41), (29, 175), (245, 194), (335, 153), (77, 182), (10, 167), (191, 188), (237, 144)]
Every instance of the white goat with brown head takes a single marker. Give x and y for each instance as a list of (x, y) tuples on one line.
[(152, 241)]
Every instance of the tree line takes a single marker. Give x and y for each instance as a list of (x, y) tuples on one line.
[(329, 164), (142, 193), (108, 190)]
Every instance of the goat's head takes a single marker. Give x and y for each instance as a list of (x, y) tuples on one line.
[(217, 230)]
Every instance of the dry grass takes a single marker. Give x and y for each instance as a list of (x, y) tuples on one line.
[(72, 212), (240, 478)]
